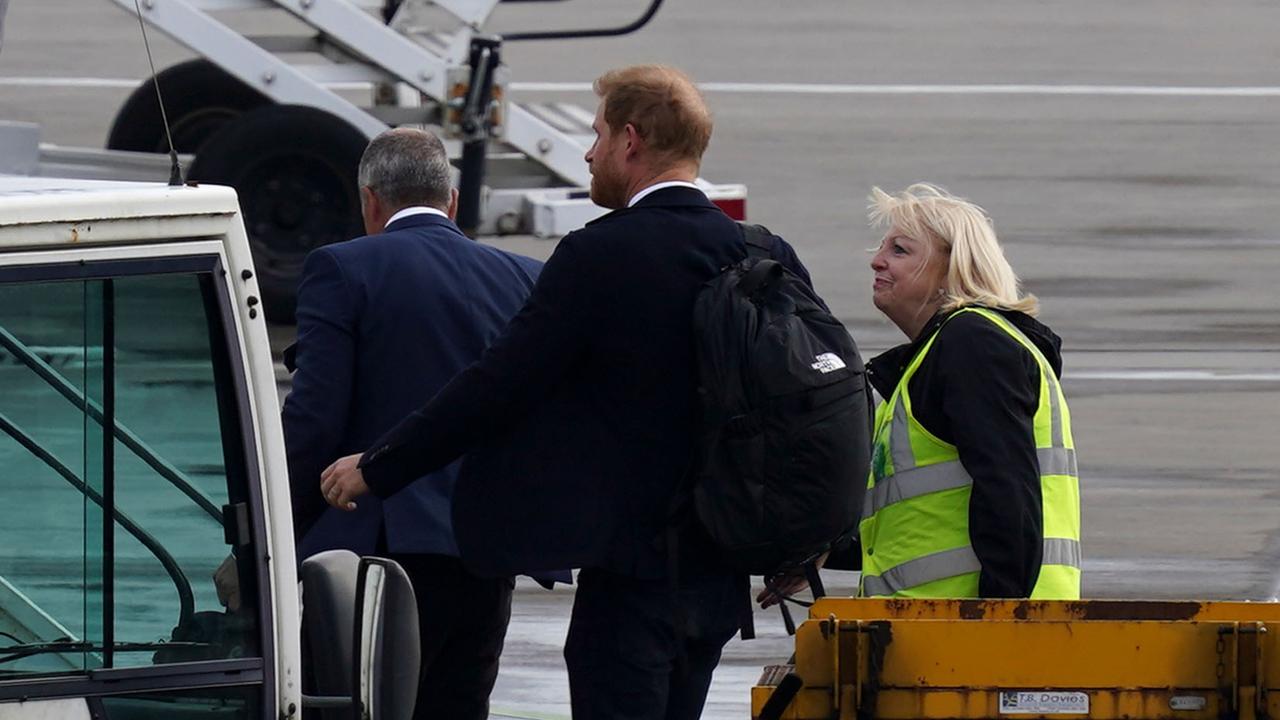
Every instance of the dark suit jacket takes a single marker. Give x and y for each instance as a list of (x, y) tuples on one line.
[(580, 417), (384, 322)]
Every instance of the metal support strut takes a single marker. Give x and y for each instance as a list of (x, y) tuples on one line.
[(486, 56)]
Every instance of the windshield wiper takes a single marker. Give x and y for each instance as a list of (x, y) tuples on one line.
[(10, 653)]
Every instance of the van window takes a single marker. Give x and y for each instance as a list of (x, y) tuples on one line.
[(121, 453)]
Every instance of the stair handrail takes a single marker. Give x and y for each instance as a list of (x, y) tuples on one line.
[(186, 599), (575, 34), (126, 436)]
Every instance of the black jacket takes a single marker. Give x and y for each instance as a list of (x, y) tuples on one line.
[(579, 419), (979, 389)]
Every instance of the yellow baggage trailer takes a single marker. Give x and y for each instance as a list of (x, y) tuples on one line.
[(1108, 659)]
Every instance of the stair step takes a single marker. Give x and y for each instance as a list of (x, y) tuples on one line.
[(567, 118)]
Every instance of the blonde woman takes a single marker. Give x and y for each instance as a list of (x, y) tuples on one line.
[(973, 489)]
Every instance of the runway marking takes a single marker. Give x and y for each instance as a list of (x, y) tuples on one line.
[(122, 83), (1189, 91), (68, 82), (844, 89), (1135, 90), (1175, 375)]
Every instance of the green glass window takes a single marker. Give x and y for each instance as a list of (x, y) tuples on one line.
[(121, 453)]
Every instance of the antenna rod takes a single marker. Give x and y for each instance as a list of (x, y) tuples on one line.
[(175, 168)]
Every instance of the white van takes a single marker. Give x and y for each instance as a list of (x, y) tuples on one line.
[(141, 455)]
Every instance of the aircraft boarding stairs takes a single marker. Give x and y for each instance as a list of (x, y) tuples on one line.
[(418, 67)]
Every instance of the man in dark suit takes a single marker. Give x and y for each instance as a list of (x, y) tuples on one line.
[(592, 392), (384, 322)]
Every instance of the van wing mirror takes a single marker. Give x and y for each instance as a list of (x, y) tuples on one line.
[(387, 641), (371, 602)]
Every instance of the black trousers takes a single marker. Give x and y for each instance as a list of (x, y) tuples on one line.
[(462, 622), (624, 643)]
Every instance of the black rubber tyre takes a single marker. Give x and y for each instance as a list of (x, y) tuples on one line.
[(199, 98), (294, 169)]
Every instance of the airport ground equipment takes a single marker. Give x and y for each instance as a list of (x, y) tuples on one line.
[(147, 561), (283, 95), (1105, 659), (141, 448)]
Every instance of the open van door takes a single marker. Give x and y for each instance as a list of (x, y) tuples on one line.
[(147, 565)]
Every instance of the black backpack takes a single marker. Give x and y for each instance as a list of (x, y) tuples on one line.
[(784, 443)]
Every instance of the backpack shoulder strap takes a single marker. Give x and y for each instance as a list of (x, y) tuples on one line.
[(759, 240)]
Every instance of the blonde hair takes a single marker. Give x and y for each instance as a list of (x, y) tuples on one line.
[(977, 271), (662, 104)]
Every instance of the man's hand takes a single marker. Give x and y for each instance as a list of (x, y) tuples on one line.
[(226, 581), (779, 587), (342, 482)]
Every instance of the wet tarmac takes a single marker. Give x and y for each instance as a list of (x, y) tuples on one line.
[(1147, 224)]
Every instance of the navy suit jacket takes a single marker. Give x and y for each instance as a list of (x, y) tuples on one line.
[(580, 418), (384, 322)]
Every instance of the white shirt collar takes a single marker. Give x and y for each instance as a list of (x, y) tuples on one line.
[(660, 186), (415, 210)]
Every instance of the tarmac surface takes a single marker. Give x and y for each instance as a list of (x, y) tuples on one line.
[(1140, 206)]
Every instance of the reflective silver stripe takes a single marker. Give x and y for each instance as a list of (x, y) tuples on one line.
[(948, 476), (1055, 406), (903, 456), (914, 483), (1061, 551), (949, 563), (937, 566), (1057, 461)]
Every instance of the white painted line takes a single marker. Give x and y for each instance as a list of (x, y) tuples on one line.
[(786, 88), (840, 89), (1170, 91), (68, 82), (1175, 375), (124, 83)]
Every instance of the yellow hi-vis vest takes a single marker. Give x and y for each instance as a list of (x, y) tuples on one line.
[(915, 517)]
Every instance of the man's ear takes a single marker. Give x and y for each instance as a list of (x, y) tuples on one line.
[(370, 209), (635, 143), (452, 212)]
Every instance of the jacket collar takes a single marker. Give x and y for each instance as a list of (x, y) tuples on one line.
[(667, 197), (675, 196), (645, 192), (422, 220), (885, 370)]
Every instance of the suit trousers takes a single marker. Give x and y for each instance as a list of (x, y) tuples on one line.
[(462, 621), (625, 641)]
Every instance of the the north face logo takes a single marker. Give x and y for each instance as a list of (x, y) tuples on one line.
[(828, 362)]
